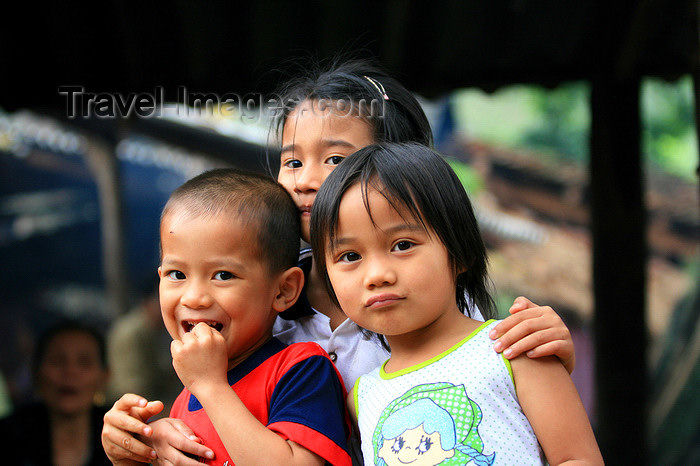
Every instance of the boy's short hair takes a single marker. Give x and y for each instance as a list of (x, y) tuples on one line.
[(254, 199)]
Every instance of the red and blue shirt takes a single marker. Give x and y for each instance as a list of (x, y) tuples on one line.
[(294, 390)]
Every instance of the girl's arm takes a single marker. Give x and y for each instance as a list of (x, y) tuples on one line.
[(201, 363), (551, 403), (535, 330)]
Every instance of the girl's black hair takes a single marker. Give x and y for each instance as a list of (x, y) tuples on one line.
[(417, 180), (393, 112)]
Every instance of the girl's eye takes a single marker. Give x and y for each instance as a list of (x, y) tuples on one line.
[(402, 245), (334, 159), (350, 257), (398, 444), (176, 275), (223, 275), (293, 163)]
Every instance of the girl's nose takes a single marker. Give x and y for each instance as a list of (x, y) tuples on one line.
[(308, 179), (196, 297), (379, 273)]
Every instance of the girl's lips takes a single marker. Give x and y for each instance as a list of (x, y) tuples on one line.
[(381, 300)]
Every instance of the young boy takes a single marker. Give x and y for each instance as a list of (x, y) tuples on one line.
[(229, 245)]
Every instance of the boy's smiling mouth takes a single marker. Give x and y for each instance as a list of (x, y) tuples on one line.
[(188, 325)]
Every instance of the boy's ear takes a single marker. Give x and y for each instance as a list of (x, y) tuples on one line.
[(291, 282)]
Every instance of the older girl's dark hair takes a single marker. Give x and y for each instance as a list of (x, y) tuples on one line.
[(396, 116), (416, 181), (253, 199)]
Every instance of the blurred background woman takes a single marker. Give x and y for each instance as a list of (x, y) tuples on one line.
[(62, 428)]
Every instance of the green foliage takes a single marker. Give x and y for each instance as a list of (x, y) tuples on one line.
[(556, 122), (670, 138), (563, 128), (471, 180), (531, 117)]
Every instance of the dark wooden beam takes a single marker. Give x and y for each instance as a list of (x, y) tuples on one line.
[(619, 270)]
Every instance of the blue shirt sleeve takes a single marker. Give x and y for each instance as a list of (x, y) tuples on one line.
[(311, 394)]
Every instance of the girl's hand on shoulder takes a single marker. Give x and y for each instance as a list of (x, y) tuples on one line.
[(200, 357), (126, 419), (536, 331), (175, 443)]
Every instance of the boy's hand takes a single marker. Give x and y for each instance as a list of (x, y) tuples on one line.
[(122, 422), (176, 443), (200, 357), (535, 330)]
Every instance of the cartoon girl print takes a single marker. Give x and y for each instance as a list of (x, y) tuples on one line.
[(422, 428)]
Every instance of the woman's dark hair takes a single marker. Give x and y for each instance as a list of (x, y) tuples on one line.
[(416, 181), (392, 111), (68, 326)]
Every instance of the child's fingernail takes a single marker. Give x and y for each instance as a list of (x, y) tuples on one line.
[(493, 333), (153, 454), (193, 438), (530, 354), (507, 353), (209, 455), (498, 346)]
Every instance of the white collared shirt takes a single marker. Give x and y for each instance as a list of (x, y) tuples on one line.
[(353, 352)]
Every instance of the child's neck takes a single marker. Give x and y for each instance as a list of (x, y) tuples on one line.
[(238, 359), (410, 349), (320, 300)]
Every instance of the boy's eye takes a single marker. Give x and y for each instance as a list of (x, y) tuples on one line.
[(223, 275), (293, 163), (402, 245), (350, 257), (176, 275), (334, 159)]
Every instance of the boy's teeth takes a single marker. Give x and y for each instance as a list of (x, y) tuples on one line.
[(215, 325)]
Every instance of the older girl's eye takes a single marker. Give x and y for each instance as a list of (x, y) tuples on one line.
[(176, 275), (223, 275), (334, 159), (293, 163), (402, 245), (350, 257)]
